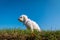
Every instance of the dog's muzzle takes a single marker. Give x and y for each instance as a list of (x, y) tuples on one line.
[(20, 20)]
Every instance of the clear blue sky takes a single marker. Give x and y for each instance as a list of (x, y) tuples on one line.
[(45, 12)]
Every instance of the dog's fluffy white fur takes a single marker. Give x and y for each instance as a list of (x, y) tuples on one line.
[(29, 23)]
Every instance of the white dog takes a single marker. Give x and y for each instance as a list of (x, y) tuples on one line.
[(29, 23)]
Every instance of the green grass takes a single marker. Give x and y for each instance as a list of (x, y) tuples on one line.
[(17, 34)]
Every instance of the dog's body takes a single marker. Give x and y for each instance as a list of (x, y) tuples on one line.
[(29, 23)]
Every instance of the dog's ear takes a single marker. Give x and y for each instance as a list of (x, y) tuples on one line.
[(25, 18)]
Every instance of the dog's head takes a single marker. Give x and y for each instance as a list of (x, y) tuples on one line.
[(22, 18)]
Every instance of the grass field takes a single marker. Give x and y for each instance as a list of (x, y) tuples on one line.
[(17, 34)]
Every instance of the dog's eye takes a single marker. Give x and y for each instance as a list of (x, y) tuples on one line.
[(20, 17)]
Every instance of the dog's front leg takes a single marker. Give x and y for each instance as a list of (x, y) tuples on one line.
[(31, 28)]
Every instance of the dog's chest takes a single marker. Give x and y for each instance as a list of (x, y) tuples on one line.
[(28, 24)]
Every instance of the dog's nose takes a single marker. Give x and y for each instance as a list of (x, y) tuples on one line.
[(18, 19)]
